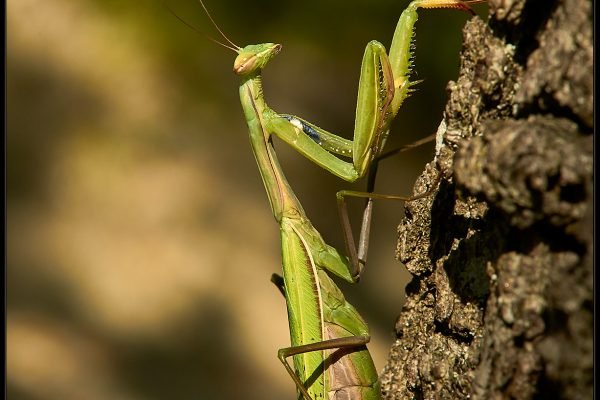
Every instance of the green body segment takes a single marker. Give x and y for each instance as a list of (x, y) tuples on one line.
[(317, 310), (304, 305)]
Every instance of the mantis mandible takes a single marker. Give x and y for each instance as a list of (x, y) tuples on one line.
[(328, 336)]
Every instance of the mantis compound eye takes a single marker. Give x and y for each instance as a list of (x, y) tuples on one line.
[(244, 65)]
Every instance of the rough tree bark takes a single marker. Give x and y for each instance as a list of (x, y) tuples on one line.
[(500, 303)]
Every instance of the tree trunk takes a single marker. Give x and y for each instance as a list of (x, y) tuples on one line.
[(500, 303)]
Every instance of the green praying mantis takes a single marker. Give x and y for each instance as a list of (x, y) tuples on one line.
[(328, 336)]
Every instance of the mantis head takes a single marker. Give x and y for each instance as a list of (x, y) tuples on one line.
[(252, 58)]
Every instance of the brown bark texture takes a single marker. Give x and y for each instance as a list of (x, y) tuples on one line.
[(500, 302)]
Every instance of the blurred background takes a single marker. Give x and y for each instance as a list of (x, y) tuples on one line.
[(140, 239)]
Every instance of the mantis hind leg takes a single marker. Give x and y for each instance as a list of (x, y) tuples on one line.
[(358, 254), (338, 343)]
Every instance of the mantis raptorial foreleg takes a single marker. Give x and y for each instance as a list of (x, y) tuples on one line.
[(320, 319)]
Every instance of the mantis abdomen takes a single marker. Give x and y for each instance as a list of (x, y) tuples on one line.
[(318, 313)]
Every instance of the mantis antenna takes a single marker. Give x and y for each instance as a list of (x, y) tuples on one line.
[(192, 27), (217, 26)]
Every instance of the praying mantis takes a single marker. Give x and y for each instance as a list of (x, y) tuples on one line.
[(328, 336)]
